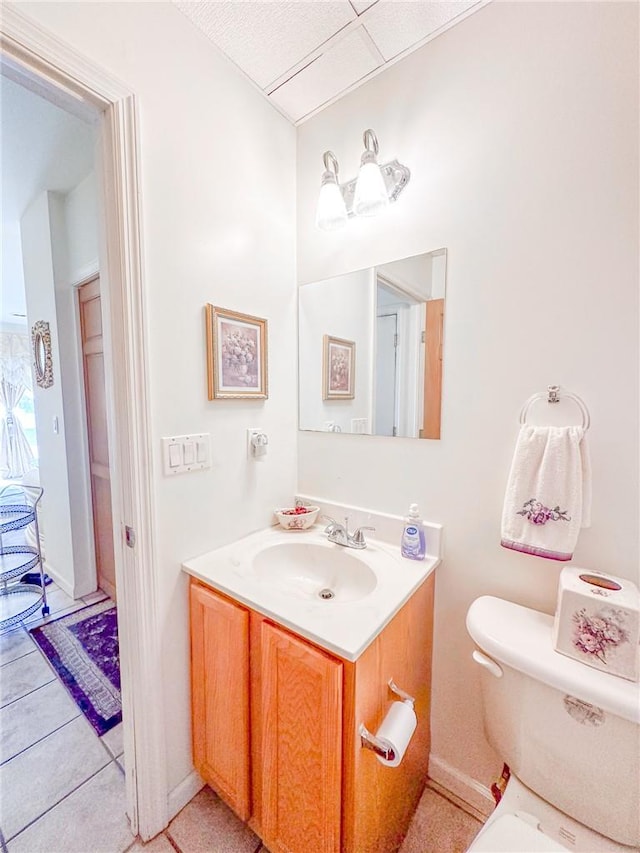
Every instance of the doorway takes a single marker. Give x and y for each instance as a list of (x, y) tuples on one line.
[(91, 337), (65, 77)]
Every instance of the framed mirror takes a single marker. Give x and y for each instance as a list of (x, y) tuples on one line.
[(388, 322), (42, 357)]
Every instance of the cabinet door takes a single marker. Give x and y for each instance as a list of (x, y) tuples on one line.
[(220, 695), (301, 745)]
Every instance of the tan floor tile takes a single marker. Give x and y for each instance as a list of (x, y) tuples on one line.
[(206, 824), (159, 844), (14, 644), (23, 675), (33, 717), (113, 741), (90, 820), (42, 775), (439, 827)]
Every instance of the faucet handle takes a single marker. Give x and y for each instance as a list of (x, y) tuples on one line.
[(331, 525), (358, 536)]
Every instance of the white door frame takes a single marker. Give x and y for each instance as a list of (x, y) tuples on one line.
[(34, 56)]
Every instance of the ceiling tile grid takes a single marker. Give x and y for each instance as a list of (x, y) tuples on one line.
[(267, 38), (340, 67), (397, 26), (303, 54)]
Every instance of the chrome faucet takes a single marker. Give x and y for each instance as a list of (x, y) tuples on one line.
[(339, 534)]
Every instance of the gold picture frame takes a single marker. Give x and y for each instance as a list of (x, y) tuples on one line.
[(236, 355), (338, 368)]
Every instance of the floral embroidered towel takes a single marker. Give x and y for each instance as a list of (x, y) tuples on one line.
[(548, 497)]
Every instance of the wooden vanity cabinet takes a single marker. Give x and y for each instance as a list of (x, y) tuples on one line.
[(275, 726), (220, 696)]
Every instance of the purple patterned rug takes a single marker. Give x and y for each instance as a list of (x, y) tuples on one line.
[(83, 649)]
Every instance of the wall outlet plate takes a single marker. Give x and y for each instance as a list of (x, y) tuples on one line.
[(253, 452)]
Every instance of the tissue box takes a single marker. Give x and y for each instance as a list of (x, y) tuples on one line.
[(597, 621)]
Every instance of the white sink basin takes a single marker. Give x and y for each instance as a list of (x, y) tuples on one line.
[(312, 571), (281, 573)]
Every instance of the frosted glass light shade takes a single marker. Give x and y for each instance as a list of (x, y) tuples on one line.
[(371, 192), (331, 212)]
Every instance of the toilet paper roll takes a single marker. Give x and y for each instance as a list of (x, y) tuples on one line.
[(396, 731)]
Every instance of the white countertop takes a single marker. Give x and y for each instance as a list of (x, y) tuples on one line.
[(343, 628)]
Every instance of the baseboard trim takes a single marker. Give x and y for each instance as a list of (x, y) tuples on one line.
[(64, 584), (463, 787), (183, 793)]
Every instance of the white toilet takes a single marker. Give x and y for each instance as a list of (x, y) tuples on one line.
[(569, 733)]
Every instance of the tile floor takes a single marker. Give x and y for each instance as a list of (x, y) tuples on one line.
[(206, 825), (54, 769), (62, 787)]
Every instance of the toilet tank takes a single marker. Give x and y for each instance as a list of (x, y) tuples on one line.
[(570, 733)]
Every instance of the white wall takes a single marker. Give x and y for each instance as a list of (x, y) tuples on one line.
[(217, 196), (67, 525), (342, 308), (36, 227), (520, 127), (12, 297), (81, 224), (66, 232)]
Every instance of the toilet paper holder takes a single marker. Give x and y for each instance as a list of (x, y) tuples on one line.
[(375, 744)]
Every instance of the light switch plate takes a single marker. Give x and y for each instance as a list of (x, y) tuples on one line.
[(184, 453)]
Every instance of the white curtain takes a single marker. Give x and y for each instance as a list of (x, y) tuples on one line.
[(16, 457)]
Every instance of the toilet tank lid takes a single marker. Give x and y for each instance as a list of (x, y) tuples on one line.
[(522, 639)]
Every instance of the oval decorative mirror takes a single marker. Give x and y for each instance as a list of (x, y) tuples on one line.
[(42, 358)]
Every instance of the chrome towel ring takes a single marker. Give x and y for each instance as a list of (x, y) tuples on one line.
[(553, 395)]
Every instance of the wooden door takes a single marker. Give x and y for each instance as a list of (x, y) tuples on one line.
[(301, 739), (96, 411), (220, 695), (433, 369)]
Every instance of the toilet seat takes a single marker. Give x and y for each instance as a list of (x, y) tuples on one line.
[(511, 834)]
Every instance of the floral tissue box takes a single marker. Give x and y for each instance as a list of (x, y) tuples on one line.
[(597, 621)]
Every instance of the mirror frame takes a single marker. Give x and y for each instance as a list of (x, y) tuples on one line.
[(42, 354)]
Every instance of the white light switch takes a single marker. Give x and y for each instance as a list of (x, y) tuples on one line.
[(175, 455), (183, 453)]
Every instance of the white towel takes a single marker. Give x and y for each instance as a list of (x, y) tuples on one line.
[(548, 497)]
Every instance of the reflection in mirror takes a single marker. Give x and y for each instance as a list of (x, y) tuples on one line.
[(393, 315)]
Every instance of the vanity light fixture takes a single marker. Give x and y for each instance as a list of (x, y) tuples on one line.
[(367, 195), (332, 212)]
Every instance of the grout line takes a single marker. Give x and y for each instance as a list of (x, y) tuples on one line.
[(41, 739), (28, 693), (169, 838), (19, 657), (54, 805)]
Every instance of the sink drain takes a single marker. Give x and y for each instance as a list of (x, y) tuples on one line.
[(326, 594)]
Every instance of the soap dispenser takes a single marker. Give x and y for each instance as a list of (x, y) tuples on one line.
[(413, 543)]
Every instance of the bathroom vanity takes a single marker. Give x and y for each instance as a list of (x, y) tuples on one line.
[(282, 680)]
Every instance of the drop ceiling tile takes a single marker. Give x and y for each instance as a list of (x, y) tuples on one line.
[(267, 39), (396, 25), (341, 66)]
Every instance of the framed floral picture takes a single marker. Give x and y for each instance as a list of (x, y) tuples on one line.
[(338, 369), (236, 355)]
